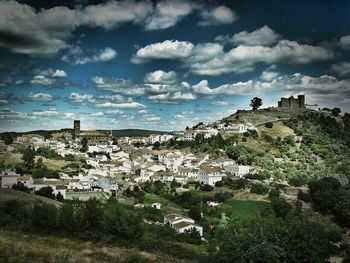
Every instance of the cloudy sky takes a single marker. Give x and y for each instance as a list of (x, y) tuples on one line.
[(166, 64)]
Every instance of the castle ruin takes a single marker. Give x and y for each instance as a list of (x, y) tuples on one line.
[(292, 103)]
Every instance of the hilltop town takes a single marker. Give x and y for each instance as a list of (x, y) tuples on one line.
[(250, 155)]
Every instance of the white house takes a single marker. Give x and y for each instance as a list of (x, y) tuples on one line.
[(241, 170), (212, 203), (209, 174), (8, 178), (182, 224), (157, 205), (188, 172), (26, 180)]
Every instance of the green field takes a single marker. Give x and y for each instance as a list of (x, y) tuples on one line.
[(245, 208)]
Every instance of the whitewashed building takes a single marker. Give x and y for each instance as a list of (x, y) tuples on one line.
[(209, 174), (8, 178)]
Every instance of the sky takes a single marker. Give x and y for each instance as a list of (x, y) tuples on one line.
[(168, 64)]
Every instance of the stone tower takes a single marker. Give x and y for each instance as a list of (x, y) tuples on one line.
[(76, 128)]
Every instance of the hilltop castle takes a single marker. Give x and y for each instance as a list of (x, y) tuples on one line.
[(292, 103)]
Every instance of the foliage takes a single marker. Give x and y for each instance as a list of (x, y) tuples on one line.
[(44, 216), (328, 196), (259, 189), (28, 157), (13, 212), (195, 212), (336, 111), (121, 222), (46, 192), (21, 187), (281, 207), (47, 152), (269, 125), (255, 103), (271, 240)]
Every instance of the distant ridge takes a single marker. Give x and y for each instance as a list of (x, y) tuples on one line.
[(116, 133)]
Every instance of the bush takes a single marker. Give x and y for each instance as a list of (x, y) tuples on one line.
[(44, 216), (259, 189), (120, 222), (13, 212), (46, 192), (206, 188), (269, 125), (274, 193)]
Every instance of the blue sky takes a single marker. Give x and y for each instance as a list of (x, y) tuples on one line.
[(166, 64)]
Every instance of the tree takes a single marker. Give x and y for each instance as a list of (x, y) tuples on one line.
[(255, 103), (269, 125), (46, 192), (195, 212), (336, 111), (39, 163), (59, 197), (281, 207), (28, 157)]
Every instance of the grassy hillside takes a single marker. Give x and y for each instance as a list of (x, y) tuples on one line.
[(30, 247), (305, 145), (10, 194)]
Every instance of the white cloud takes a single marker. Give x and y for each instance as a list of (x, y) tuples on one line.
[(45, 113), (151, 117), (40, 97), (264, 36), (97, 114), (161, 77), (8, 114), (294, 83), (167, 13), (42, 80), (75, 56), (204, 52), (121, 86), (59, 74), (221, 103), (126, 105), (79, 98), (344, 42), (25, 30), (173, 96), (210, 58), (114, 112), (341, 68), (243, 59), (268, 76), (218, 15), (169, 49), (71, 116)]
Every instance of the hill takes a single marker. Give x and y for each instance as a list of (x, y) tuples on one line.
[(133, 132), (300, 144), (116, 133), (11, 194)]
